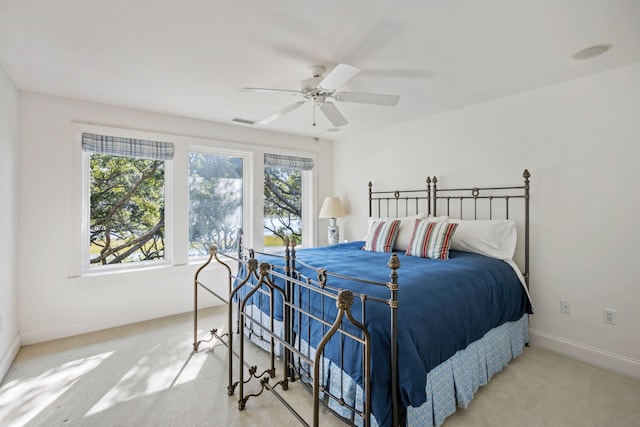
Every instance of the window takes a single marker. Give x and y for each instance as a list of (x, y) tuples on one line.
[(283, 198), (215, 202), (126, 199), (150, 203)]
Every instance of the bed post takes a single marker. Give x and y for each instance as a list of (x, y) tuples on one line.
[(428, 196), (526, 176), (370, 200), (435, 195), (394, 265), (240, 248), (289, 373), (196, 342)]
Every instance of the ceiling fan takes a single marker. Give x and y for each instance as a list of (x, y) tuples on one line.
[(320, 89)]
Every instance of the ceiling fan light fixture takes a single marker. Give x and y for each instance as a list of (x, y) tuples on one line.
[(591, 51)]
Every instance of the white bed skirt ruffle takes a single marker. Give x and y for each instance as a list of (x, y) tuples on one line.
[(455, 381), (452, 383)]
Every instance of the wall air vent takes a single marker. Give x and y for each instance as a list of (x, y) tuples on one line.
[(244, 121)]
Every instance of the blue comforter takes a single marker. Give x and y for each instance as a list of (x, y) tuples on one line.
[(444, 305)]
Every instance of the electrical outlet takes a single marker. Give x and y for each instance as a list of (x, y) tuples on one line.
[(565, 306), (610, 316)]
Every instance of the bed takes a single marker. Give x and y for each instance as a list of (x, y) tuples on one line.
[(398, 333)]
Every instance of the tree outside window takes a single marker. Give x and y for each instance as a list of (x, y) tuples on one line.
[(215, 202), (282, 206), (283, 198), (126, 188), (127, 199)]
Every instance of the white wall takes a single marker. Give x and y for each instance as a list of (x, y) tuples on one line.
[(52, 302), (9, 338), (581, 142)]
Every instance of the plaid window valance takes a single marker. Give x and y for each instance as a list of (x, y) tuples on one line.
[(127, 147), (288, 162)]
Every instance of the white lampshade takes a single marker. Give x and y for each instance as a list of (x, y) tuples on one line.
[(332, 208)]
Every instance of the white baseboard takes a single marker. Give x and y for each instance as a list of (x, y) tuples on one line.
[(7, 358), (591, 355), (98, 323)]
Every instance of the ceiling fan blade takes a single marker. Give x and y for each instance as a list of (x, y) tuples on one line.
[(332, 113), (281, 113), (264, 89), (367, 98), (338, 76)]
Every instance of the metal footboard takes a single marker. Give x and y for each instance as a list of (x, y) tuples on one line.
[(277, 286)]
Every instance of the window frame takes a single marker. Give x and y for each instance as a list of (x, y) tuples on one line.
[(86, 267), (246, 180), (308, 186), (176, 196)]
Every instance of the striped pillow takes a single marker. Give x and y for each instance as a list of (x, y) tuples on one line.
[(382, 236), (431, 239)]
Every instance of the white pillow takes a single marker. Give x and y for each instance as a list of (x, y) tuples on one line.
[(493, 238), (406, 230), (407, 224)]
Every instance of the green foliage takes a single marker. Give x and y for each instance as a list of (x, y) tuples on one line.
[(127, 206), (127, 209), (283, 203), (272, 241)]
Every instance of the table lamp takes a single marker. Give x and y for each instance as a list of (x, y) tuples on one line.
[(332, 208)]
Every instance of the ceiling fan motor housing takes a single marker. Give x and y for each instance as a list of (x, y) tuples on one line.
[(309, 88)]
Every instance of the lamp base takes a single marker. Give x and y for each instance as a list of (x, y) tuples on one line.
[(333, 232)]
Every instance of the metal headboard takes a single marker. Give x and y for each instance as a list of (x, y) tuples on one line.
[(490, 194), (411, 199), (435, 196)]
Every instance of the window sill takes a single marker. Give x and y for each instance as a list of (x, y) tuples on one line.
[(114, 270)]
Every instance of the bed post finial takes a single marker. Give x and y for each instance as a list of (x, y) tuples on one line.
[(252, 264), (394, 265), (394, 262), (289, 241), (292, 243), (264, 268), (344, 300)]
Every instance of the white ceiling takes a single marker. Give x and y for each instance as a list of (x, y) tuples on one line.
[(191, 57)]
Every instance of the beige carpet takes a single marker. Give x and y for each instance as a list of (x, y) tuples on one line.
[(146, 375)]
